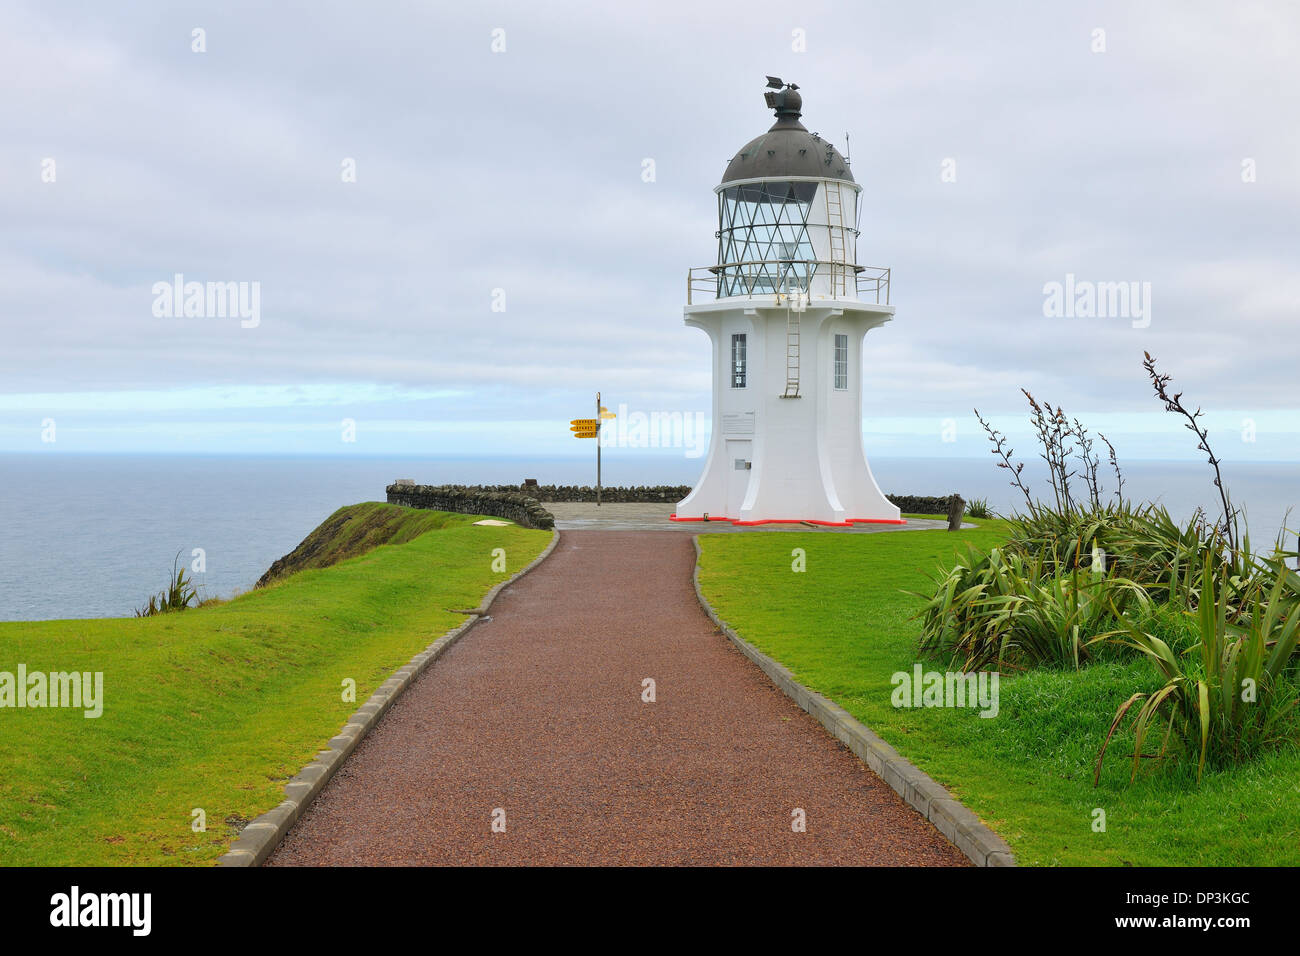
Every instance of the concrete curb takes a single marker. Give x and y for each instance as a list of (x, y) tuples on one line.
[(260, 838), (962, 828)]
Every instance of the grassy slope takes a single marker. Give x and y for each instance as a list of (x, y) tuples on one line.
[(355, 530), (216, 708), (843, 627)]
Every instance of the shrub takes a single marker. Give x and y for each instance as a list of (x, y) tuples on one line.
[(179, 594), (1079, 544), (1143, 544), (1007, 609), (1229, 694)]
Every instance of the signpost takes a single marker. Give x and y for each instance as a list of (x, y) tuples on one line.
[(598, 449), (590, 428)]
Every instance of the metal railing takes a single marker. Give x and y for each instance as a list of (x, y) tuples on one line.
[(754, 277)]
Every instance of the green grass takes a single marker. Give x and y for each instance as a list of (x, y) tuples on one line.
[(355, 530), (216, 708), (844, 627)]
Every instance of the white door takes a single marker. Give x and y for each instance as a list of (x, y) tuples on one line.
[(739, 457)]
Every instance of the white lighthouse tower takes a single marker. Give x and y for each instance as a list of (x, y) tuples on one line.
[(786, 308)]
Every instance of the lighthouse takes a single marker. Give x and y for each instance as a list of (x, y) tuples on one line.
[(787, 308)]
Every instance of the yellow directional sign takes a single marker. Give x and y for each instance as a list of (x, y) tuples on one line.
[(584, 427), (606, 414)]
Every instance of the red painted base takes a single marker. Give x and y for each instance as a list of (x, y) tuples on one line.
[(827, 524)]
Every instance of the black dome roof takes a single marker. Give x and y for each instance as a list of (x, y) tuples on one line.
[(787, 149)]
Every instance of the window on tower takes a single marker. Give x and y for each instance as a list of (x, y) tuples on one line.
[(841, 361), (763, 241), (738, 361)]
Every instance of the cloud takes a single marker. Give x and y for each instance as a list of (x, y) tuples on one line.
[(522, 171)]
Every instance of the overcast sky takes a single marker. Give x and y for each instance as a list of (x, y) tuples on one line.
[(1171, 157)]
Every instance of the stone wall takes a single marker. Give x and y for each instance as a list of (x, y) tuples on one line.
[(614, 495), (921, 504), (511, 505), (522, 504)]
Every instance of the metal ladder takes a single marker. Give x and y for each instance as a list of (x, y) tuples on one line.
[(791, 347), (835, 229)]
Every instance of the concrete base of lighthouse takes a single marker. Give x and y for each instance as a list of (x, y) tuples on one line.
[(773, 458)]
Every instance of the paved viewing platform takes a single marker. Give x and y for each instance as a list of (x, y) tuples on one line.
[(587, 516)]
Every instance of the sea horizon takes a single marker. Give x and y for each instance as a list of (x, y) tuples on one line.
[(93, 535)]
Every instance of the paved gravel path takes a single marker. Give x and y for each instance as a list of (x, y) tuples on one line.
[(538, 712)]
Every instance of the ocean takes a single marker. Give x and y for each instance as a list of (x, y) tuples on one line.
[(95, 535)]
